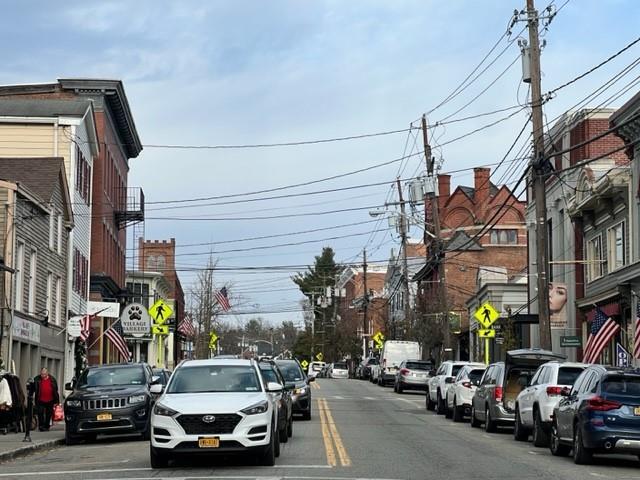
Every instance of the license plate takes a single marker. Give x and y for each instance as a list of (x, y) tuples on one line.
[(104, 416), (636, 411), (213, 442)]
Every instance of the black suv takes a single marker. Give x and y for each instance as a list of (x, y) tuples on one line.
[(109, 399)]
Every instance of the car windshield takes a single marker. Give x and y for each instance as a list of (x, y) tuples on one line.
[(105, 377), (419, 365), (290, 371), (622, 386), (214, 378), (568, 375), (476, 375), (340, 366)]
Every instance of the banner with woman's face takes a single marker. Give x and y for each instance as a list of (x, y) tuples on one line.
[(558, 304)]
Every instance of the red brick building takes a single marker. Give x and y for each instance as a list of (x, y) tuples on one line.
[(469, 243)]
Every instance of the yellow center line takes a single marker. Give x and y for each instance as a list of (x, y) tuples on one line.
[(315, 385), (326, 436), (345, 461)]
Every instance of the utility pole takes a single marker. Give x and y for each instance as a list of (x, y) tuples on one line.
[(405, 268), (538, 166), (437, 250), (365, 329)]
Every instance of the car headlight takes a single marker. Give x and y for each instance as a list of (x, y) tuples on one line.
[(160, 409), (137, 398), (300, 391), (74, 403), (261, 407)]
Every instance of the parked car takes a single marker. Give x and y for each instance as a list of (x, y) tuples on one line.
[(215, 407), (495, 399), (535, 404), (339, 370), (412, 375), (394, 352), (315, 368), (296, 380), (461, 390), (109, 399), (271, 373), (367, 364), (600, 414), (437, 387)]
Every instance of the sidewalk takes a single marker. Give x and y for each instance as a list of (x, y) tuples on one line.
[(12, 446)]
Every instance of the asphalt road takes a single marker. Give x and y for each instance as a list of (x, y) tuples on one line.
[(358, 431)]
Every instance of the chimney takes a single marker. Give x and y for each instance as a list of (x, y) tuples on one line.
[(444, 186), (482, 184)]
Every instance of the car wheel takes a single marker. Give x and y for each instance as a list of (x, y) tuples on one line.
[(276, 447), (157, 459), (71, 439), (146, 433), (520, 433), (540, 436), (282, 434), (581, 455), (290, 428), (458, 412), (399, 389), (475, 423), (557, 449), (489, 424), (268, 458), (440, 406), (448, 412), (430, 404)]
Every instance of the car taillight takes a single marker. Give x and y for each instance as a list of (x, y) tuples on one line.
[(554, 391), (467, 384), (404, 371), (601, 405), (497, 394)]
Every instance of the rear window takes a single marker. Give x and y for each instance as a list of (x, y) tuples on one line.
[(476, 375), (340, 366), (622, 386), (372, 361), (419, 365), (568, 375), (456, 369)]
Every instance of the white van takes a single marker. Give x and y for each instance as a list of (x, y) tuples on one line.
[(394, 352), (315, 368)]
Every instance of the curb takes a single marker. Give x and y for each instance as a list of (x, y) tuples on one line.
[(26, 450)]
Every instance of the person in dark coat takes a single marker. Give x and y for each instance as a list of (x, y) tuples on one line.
[(46, 396)]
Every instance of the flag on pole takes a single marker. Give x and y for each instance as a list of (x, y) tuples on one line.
[(603, 329), (116, 335), (186, 327), (636, 333), (85, 327), (223, 299)]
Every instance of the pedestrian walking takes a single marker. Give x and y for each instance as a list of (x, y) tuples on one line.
[(46, 396)]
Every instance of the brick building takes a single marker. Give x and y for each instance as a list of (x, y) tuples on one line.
[(469, 244)]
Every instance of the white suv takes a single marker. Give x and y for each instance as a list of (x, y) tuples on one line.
[(437, 388), (535, 404), (461, 390), (215, 406)]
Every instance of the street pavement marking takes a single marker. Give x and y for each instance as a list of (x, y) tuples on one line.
[(326, 436), (63, 472), (345, 461), (315, 385)]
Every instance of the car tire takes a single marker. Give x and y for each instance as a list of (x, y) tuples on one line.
[(540, 436), (440, 406), (490, 425), (146, 433), (430, 404), (448, 412), (276, 447), (399, 389), (71, 439), (458, 412), (282, 434), (157, 459), (290, 428), (581, 455), (520, 433), (557, 448), (268, 457), (475, 423)]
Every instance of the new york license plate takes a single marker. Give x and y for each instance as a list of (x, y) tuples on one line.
[(636, 411), (209, 442), (104, 416)]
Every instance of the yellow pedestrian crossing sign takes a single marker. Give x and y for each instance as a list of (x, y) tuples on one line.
[(160, 312), (486, 315), (160, 329), (304, 364), (487, 333), (319, 356), (213, 338), (378, 337)]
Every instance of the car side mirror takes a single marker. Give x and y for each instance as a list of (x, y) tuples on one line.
[(68, 386), (311, 379), (432, 373), (155, 379), (565, 392), (156, 388), (449, 380), (274, 387)]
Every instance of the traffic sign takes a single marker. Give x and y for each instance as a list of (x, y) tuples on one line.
[(304, 364), (378, 337), (213, 338), (160, 329), (160, 312), (487, 333), (319, 356), (486, 315)]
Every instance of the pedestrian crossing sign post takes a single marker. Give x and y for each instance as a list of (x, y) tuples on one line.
[(486, 316), (213, 338), (160, 329), (304, 364), (160, 312), (487, 333), (319, 356)]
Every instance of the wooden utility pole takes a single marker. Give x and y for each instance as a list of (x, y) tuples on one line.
[(539, 193), (365, 320), (405, 268)]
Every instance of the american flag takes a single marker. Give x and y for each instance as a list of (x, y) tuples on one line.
[(116, 335), (603, 329), (186, 327), (85, 327), (223, 299), (636, 333)]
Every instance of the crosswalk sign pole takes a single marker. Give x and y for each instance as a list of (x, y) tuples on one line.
[(486, 351)]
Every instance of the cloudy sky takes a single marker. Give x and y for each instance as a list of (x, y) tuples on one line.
[(212, 73)]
